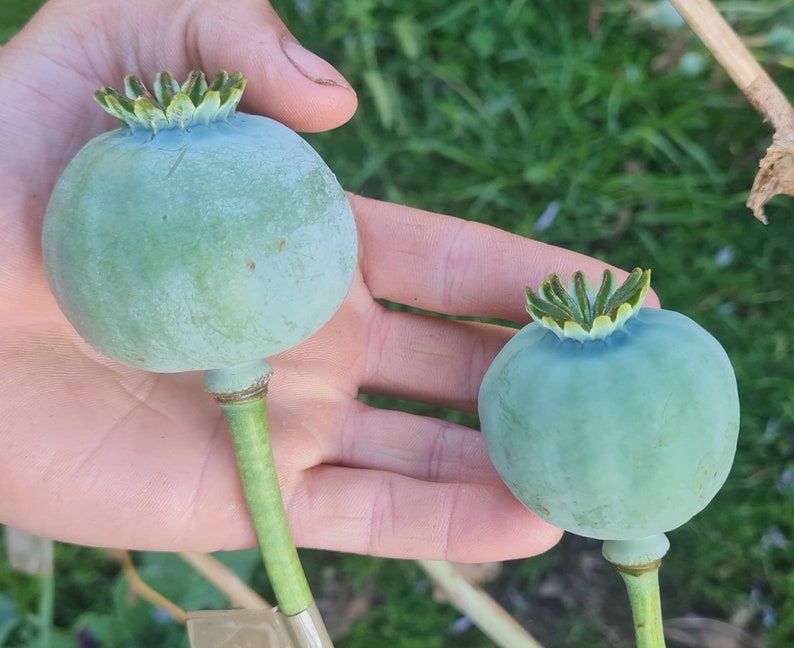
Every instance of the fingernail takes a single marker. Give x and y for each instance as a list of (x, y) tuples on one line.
[(312, 66)]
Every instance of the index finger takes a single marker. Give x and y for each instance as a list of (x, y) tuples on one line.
[(457, 267)]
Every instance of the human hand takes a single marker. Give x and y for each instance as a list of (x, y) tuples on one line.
[(98, 453)]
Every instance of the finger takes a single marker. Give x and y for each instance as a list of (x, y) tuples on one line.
[(429, 359), (380, 513), (388, 483), (420, 447), (453, 266), (286, 81)]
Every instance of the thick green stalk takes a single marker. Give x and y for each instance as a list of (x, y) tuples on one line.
[(241, 391), (642, 586), (637, 562), (248, 426)]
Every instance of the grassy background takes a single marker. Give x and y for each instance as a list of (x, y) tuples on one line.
[(626, 130)]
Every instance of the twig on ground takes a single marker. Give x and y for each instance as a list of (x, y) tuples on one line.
[(140, 588), (223, 578), (776, 173), (475, 603)]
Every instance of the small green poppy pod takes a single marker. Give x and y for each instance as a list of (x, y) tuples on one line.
[(196, 237), (606, 419)]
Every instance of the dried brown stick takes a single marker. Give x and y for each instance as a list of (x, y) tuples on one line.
[(732, 54), (140, 588), (490, 617), (776, 173), (228, 582)]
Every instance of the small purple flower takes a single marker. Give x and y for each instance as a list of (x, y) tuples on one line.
[(422, 586), (460, 626), (785, 483), (724, 257), (774, 539), (86, 640), (517, 599), (160, 616), (768, 616), (545, 220)]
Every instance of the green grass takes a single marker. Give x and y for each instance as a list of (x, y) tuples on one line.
[(14, 14), (493, 112)]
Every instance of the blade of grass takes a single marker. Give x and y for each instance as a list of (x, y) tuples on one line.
[(46, 609), (34, 555)]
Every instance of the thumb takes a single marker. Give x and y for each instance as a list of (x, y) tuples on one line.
[(285, 81)]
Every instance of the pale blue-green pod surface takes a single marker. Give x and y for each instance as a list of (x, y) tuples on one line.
[(613, 439), (201, 248)]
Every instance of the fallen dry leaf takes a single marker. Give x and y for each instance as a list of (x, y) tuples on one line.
[(775, 175)]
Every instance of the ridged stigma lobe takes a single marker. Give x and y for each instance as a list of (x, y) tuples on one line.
[(579, 311), (171, 105)]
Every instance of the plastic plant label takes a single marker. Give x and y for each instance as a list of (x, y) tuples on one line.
[(238, 629)]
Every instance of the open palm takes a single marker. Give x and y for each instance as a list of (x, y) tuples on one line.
[(98, 453)]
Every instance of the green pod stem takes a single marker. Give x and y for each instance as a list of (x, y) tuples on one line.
[(247, 422), (638, 562), (241, 392), (642, 586)]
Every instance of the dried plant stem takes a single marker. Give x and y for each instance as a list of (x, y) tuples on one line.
[(140, 588), (223, 578), (731, 53), (487, 614), (776, 174), (227, 582)]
